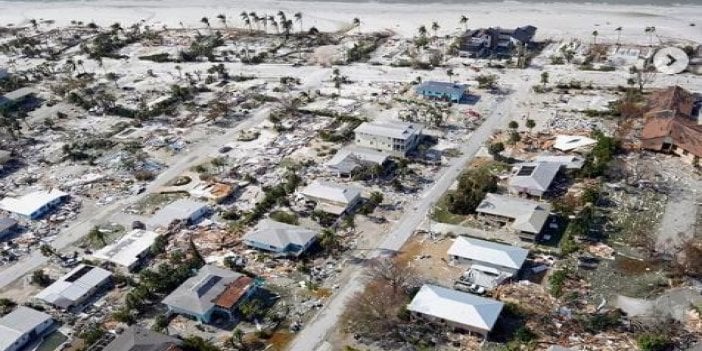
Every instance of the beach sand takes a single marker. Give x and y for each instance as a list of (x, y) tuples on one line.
[(554, 20)]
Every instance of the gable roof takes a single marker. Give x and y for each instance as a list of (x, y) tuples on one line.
[(234, 292), (396, 130), (29, 204), (141, 339), (534, 175), (456, 306), (197, 294), (529, 216), (126, 251), (19, 322), (332, 192), (180, 209), (489, 252), (74, 286), (279, 235)]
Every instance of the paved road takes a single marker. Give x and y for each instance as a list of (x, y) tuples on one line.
[(315, 333)]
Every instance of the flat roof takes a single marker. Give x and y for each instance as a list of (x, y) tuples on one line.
[(442, 87), (395, 130), (567, 161), (28, 204), (74, 286), (529, 216), (127, 250), (489, 252), (456, 306), (572, 142)]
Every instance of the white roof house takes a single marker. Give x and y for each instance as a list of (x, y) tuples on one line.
[(75, 287), (572, 142), (21, 326), (490, 253), (332, 198), (349, 158), (182, 209), (33, 205), (395, 130), (533, 178), (566, 161), (280, 237), (128, 250), (459, 309), (526, 216)]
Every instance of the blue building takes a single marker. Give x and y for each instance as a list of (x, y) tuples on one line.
[(442, 91)]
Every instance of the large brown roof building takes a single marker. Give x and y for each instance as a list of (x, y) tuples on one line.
[(671, 125)]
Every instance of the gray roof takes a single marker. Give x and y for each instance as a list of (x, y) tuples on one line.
[(196, 295), (19, 93), (489, 252), (19, 322), (6, 223), (534, 176), (74, 286), (332, 192), (529, 216), (280, 235), (351, 157), (5, 156), (455, 306), (141, 339), (567, 161), (180, 209), (558, 348), (396, 130), (444, 88)]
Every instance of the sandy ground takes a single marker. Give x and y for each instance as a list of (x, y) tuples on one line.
[(558, 20)]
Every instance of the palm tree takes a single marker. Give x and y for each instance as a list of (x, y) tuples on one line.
[(206, 21), (376, 197), (464, 21), (247, 22), (264, 20), (46, 250), (619, 34), (594, 37), (650, 31), (95, 235), (274, 23), (328, 240), (282, 17), (422, 31), (544, 78), (245, 18), (298, 18), (357, 24), (34, 23), (449, 73), (113, 77), (530, 123), (435, 27), (254, 18), (238, 337), (287, 27), (223, 19)]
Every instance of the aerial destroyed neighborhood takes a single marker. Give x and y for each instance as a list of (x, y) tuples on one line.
[(254, 182)]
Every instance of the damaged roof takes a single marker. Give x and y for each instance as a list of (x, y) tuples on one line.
[(529, 216), (489, 252)]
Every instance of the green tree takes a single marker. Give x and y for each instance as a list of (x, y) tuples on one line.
[(544, 78), (96, 236), (197, 343), (653, 342), (376, 197), (46, 250), (513, 125), (530, 124), (496, 148), (328, 240), (39, 277)]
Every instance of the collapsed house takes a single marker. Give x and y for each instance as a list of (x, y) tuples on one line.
[(23, 326), (332, 198), (213, 291), (76, 287), (525, 217), (489, 263), (458, 310), (130, 250), (495, 41), (672, 124), (280, 238), (395, 138), (567, 162), (572, 143), (351, 158), (34, 205)]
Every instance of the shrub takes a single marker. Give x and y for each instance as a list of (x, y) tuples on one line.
[(652, 342)]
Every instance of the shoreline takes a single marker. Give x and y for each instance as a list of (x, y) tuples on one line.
[(553, 20)]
